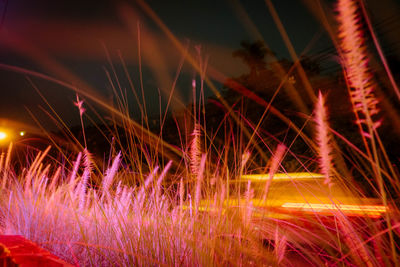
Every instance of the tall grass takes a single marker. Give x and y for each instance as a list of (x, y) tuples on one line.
[(150, 208), (120, 225)]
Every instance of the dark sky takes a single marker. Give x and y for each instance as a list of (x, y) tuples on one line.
[(216, 21), (69, 40)]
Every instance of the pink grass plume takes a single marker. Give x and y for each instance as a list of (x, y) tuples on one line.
[(199, 180), (323, 139), (161, 178), (75, 168), (79, 104), (195, 150), (85, 178), (110, 173), (276, 160), (280, 246), (355, 62)]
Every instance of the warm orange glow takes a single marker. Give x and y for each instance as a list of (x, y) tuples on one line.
[(284, 176), (370, 210)]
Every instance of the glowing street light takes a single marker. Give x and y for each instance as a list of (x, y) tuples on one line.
[(3, 135)]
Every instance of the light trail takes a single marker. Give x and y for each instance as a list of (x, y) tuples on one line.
[(283, 176), (366, 210)]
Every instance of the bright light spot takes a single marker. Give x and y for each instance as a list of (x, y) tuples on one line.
[(22, 133), (3, 135), (284, 176)]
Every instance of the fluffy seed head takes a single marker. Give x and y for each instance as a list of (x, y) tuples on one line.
[(323, 138), (355, 62)]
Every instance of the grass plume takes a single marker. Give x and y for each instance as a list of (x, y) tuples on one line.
[(323, 139), (355, 62)]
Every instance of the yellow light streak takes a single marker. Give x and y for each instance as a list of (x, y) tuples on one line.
[(373, 210), (3, 135), (284, 176)]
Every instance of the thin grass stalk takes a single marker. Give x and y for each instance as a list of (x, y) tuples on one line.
[(79, 104), (245, 158), (181, 198), (379, 49)]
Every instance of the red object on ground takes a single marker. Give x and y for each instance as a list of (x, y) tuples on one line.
[(15, 250)]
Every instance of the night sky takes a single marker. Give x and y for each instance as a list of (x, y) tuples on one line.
[(70, 40)]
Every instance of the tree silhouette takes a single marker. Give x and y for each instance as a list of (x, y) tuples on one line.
[(253, 54)]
